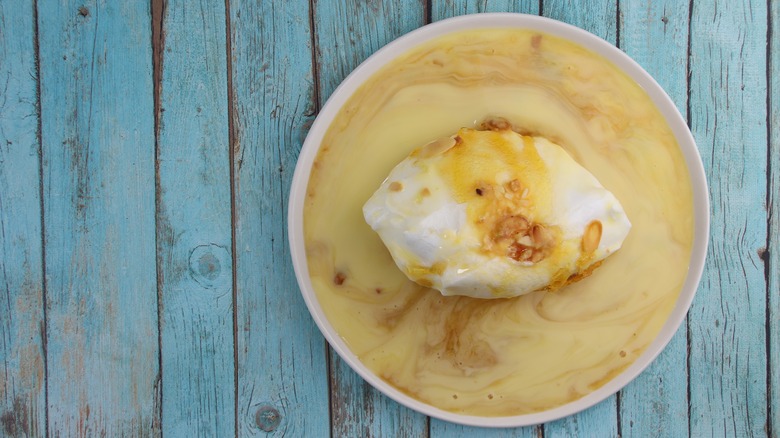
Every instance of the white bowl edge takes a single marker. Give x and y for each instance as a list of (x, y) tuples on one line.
[(501, 20)]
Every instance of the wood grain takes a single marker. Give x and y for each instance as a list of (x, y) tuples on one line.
[(597, 17), (771, 254), (655, 34), (22, 367), (441, 428), (441, 9), (347, 32), (282, 358), (193, 223), (727, 322), (600, 421), (359, 410), (97, 134), (82, 250)]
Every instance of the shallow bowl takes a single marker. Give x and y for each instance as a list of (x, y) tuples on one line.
[(501, 20)]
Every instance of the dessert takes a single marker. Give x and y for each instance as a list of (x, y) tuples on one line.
[(499, 357), (495, 214)]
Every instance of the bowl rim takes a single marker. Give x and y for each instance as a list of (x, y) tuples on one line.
[(592, 42)]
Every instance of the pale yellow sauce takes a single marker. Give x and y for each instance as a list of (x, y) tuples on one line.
[(509, 356)]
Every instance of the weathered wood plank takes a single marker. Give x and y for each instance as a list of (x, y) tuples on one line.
[(655, 34), (599, 18), (194, 223), (727, 322), (600, 421), (97, 135), (347, 32), (771, 255), (359, 410), (22, 385), (444, 429), (282, 358), (441, 9)]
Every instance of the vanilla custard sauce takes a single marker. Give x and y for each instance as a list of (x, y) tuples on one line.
[(508, 356)]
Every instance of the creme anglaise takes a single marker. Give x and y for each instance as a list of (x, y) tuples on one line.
[(504, 356)]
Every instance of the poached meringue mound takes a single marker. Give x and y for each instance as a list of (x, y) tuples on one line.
[(495, 214)]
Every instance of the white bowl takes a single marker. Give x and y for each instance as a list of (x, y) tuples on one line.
[(501, 20)]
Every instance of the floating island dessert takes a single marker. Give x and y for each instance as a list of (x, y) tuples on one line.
[(523, 207), (494, 214)]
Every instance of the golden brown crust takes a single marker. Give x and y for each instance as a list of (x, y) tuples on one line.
[(573, 278)]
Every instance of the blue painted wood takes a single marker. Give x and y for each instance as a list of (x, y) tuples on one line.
[(728, 85), (22, 369), (97, 143), (282, 358), (597, 17), (97, 139), (441, 9), (655, 34), (193, 223), (771, 255), (347, 32), (444, 429), (597, 421), (359, 410)]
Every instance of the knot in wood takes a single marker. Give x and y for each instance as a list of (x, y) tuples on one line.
[(268, 418), (210, 265)]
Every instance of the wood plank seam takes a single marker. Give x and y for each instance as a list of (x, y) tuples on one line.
[(765, 254), (688, 120), (315, 66), (157, 11), (232, 136), (44, 282), (618, 44), (22, 320)]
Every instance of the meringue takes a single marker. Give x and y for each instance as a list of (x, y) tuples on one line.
[(495, 214)]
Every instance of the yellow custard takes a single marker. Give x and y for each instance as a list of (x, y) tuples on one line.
[(508, 356)]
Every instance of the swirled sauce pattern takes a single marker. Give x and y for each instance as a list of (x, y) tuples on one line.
[(506, 356)]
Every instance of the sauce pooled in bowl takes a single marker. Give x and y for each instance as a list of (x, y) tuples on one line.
[(500, 357)]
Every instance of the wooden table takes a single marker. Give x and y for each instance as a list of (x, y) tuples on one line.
[(146, 152)]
